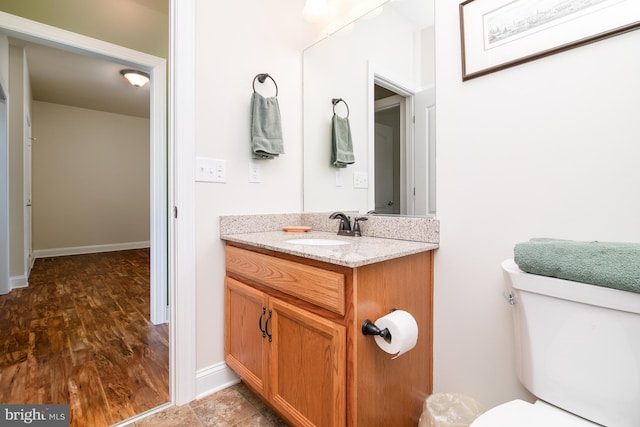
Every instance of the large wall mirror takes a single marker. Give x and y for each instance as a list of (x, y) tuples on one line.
[(382, 66)]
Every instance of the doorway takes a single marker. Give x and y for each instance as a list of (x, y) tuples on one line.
[(22, 29), (181, 175), (403, 145), (393, 149), (390, 140), (33, 32)]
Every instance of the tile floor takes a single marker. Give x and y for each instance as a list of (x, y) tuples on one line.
[(235, 406)]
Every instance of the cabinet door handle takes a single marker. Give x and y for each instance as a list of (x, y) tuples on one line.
[(264, 331), (266, 327)]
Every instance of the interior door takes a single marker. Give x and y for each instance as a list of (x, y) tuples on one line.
[(386, 174)]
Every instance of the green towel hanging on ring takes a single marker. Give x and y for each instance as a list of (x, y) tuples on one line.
[(266, 127), (341, 143)]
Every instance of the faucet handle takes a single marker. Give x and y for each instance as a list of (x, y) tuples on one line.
[(356, 225)]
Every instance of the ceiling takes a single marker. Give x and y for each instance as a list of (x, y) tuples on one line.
[(67, 78), (421, 13), (81, 80)]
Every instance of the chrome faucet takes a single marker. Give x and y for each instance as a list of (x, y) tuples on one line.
[(345, 224)]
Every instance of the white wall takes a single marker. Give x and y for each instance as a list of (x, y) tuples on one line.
[(549, 148), (234, 43), (90, 178)]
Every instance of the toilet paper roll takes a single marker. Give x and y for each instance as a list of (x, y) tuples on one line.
[(403, 330)]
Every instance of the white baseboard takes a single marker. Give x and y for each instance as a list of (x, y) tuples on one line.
[(16, 282), (214, 378), (80, 250)]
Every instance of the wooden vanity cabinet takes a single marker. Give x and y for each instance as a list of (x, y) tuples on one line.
[(287, 355), (245, 316), (293, 334)]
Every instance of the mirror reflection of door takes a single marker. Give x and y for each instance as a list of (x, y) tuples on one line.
[(387, 166), (390, 142), (386, 169)]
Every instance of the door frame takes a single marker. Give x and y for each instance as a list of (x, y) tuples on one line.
[(28, 192), (4, 185), (407, 176)]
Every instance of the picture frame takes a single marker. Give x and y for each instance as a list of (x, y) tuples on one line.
[(498, 34)]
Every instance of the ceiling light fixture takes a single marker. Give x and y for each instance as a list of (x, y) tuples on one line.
[(135, 77), (315, 10)]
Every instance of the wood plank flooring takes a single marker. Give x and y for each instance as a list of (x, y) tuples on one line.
[(80, 335)]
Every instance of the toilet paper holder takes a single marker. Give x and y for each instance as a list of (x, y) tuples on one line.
[(369, 328)]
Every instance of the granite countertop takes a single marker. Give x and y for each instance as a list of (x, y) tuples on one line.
[(361, 250)]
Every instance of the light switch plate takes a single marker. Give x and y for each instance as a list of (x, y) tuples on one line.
[(360, 180), (211, 170)]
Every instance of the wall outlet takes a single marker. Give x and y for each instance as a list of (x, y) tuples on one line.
[(254, 172), (360, 180), (211, 170)]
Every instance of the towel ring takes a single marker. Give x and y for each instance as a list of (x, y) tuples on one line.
[(261, 78), (336, 101)]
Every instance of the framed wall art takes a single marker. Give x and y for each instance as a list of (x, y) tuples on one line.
[(497, 34)]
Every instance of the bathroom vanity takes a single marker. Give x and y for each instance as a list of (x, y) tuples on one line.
[(293, 326)]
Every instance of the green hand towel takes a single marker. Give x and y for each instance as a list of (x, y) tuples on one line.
[(341, 144), (266, 127), (612, 265)]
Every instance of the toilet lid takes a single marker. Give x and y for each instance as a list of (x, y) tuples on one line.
[(523, 414)]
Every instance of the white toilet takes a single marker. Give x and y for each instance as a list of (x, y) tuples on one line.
[(578, 352)]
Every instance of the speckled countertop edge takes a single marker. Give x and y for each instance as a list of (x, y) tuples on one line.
[(383, 237), (360, 250)]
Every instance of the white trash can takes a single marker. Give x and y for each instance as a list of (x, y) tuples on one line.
[(449, 410)]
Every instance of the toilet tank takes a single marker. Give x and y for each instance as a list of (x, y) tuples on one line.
[(578, 346)]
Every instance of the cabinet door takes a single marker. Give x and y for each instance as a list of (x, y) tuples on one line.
[(308, 357), (244, 348)]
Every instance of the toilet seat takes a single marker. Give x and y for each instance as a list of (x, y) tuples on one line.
[(524, 414)]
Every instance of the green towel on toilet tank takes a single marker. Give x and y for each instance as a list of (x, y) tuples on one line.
[(341, 144), (608, 264), (266, 127)]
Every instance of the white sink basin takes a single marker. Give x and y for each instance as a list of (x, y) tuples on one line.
[(317, 242)]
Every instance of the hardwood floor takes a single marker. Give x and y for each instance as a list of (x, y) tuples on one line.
[(80, 335)]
